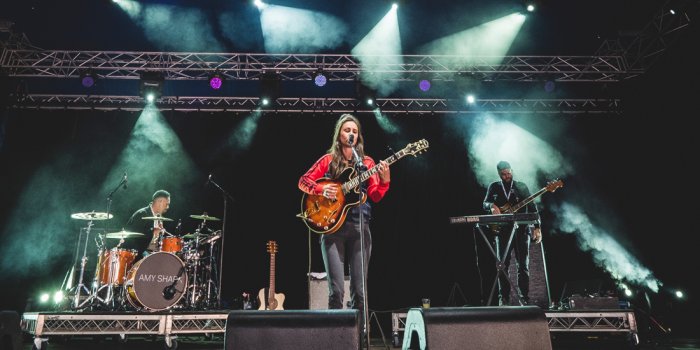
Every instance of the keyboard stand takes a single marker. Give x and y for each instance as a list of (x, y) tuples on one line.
[(500, 265)]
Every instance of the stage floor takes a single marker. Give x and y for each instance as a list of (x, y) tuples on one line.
[(138, 343)]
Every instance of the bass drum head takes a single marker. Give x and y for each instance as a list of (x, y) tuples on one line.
[(156, 282)]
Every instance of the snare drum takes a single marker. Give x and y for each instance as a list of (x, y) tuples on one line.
[(171, 245), (113, 264), (156, 282)]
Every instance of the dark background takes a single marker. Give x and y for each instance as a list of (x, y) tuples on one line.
[(633, 171)]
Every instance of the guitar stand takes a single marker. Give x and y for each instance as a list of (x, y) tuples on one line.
[(500, 261)]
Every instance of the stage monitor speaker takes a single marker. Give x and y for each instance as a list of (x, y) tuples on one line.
[(475, 328), (318, 293), (10, 332), (292, 329)]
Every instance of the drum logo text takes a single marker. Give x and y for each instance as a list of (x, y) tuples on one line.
[(157, 278)]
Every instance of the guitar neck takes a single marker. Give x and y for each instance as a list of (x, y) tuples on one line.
[(352, 184), (527, 200), (272, 276)]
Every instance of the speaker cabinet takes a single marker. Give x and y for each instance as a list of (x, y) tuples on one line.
[(507, 327), (10, 332), (318, 293), (292, 329)]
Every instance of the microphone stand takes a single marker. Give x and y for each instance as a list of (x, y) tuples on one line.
[(360, 168), (109, 196), (223, 235)]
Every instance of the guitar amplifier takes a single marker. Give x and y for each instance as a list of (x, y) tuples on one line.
[(318, 292)]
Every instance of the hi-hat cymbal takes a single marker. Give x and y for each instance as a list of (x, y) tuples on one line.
[(161, 218), (123, 234), (205, 217), (91, 216)]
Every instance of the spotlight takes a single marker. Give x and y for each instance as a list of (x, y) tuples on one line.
[(671, 11), (471, 99), (628, 292), (215, 81), (320, 79), (269, 87), (549, 85), (530, 8), (58, 297), (366, 94), (424, 85), (87, 79), (151, 85), (679, 294), (44, 297)]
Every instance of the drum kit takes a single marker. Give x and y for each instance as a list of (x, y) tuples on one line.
[(179, 274)]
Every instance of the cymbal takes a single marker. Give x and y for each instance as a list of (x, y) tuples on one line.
[(91, 216), (123, 234), (194, 235), (205, 217), (161, 218)]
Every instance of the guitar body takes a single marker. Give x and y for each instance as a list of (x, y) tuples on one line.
[(276, 302), (323, 215)]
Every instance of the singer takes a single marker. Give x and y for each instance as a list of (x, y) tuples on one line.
[(148, 243), (347, 148)]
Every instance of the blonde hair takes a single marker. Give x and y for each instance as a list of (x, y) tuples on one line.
[(336, 166)]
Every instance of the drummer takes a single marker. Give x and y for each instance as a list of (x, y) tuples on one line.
[(148, 243)]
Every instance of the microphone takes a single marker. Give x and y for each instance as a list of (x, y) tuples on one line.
[(208, 180), (169, 292), (358, 161), (126, 181)]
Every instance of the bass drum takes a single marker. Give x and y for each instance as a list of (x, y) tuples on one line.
[(156, 282)]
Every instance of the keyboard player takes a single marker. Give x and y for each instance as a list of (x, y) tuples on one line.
[(500, 195)]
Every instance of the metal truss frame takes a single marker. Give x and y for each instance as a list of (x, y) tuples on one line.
[(320, 105), (592, 321), (169, 325), (251, 66)]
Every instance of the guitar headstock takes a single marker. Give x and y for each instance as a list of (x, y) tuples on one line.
[(417, 147), (553, 185), (272, 247)]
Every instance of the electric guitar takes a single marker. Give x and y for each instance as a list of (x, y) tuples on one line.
[(510, 209), (269, 300), (323, 215)]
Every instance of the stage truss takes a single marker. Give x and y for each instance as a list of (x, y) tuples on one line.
[(322, 105), (168, 325)]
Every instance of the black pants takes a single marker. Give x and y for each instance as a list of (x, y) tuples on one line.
[(521, 246), (338, 247)]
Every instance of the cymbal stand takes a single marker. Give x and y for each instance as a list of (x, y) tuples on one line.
[(212, 299), (83, 261), (113, 274), (195, 268)]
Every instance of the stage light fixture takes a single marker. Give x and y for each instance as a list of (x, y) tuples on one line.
[(270, 88), (320, 79), (88, 78), (471, 99), (678, 294), (215, 81), (365, 94), (44, 297), (424, 85), (151, 85)]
